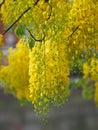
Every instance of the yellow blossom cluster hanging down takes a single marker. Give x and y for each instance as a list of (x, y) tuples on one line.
[(1, 38), (61, 35), (83, 27), (40, 75), (90, 70), (72, 22), (0, 48), (49, 75), (14, 76)]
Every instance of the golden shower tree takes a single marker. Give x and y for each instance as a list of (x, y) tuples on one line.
[(58, 38)]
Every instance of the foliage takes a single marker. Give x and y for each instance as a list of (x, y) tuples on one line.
[(61, 40)]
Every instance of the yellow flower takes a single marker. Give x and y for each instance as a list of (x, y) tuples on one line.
[(15, 75), (48, 72), (96, 93), (1, 38)]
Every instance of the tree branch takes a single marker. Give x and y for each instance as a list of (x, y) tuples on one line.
[(38, 40), (36, 2), (19, 18), (16, 21), (2, 3), (73, 31), (50, 12)]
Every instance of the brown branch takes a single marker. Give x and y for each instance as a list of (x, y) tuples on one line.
[(19, 18), (73, 31), (2, 3), (50, 12), (46, 1), (38, 40), (16, 21), (36, 2)]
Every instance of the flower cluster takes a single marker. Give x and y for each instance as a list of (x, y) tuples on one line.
[(90, 70), (49, 75), (64, 33), (1, 37), (15, 75), (40, 75)]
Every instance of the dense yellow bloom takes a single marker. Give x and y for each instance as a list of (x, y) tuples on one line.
[(15, 75), (83, 22), (0, 37), (49, 75), (86, 70), (72, 22), (40, 75), (96, 93), (90, 70), (0, 49), (72, 27)]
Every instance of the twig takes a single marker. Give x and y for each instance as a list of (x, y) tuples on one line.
[(50, 12), (16, 21), (19, 18), (36, 2), (73, 31), (38, 40), (2, 3)]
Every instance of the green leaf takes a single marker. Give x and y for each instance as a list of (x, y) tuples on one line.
[(20, 31), (31, 43)]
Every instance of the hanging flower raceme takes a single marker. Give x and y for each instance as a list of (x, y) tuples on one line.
[(90, 70), (15, 75), (0, 37), (48, 71), (41, 75), (0, 46)]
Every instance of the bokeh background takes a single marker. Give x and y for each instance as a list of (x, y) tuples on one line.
[(76, 114)]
